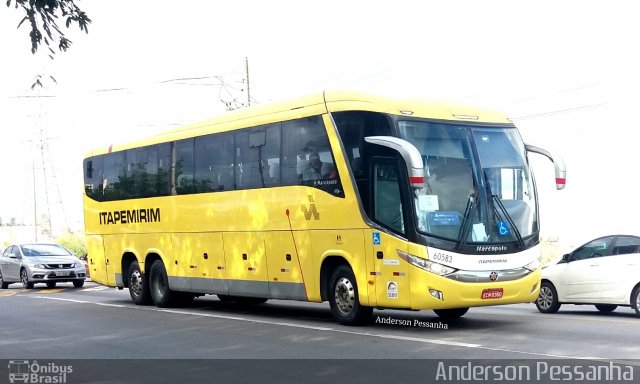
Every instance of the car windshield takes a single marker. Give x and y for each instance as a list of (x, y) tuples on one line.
[(478, 186), (30, 250)]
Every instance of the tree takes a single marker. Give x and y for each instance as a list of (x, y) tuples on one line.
[(43, 15), (73, 242)]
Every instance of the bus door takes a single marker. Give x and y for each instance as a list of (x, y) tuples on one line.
[(246, 264), (391, 273)]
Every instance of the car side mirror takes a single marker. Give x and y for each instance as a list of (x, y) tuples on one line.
[(565, 258)]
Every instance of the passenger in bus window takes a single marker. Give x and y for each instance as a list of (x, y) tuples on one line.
[(313, 170)]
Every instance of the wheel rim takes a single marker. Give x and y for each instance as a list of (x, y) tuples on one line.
[(345, 295), (637, 308), (135, 283), (24, 278), (545, 299)]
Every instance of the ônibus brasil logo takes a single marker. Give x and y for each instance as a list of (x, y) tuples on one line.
[(25, 371)]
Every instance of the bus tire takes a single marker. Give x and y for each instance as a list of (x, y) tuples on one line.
[(161, 295), (138, 285), (451, 313), (635, 300), (547, 301), (343, 298)]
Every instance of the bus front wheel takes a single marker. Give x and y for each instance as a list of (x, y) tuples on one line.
[(138, 285), (452, 313), (343, 298)]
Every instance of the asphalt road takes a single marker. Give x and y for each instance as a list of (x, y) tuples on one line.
[(96, 322)]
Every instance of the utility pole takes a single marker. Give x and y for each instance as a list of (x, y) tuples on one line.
[(35, 204), (246, 72)]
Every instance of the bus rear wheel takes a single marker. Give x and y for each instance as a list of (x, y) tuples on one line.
[(343, 298), (161, 295), (138, 285)]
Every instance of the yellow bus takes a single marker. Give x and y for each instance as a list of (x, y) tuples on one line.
[(358, 200)]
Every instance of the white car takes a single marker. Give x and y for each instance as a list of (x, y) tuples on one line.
[(604, 272)]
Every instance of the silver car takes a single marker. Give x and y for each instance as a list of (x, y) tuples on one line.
[(40, 263)]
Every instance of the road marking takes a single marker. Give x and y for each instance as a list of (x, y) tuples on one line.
[(95, 289), (7, 293), (327, 329), (53, 290)]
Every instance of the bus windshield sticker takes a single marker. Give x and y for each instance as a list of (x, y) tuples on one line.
[(428, 203), (444, 218), (503, 228)]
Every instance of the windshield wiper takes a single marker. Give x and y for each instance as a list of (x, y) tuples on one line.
[(465, 226), (497, 203)]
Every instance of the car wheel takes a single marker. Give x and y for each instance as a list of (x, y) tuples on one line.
[(452, 313), (78, 283), (51, 284), (606, 308), (138, 285), (635, 300), (161, 294), (24, 279), (3, 285), (547, 301), (343, 298)]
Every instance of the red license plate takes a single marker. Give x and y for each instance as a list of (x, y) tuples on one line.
[(492, 293)]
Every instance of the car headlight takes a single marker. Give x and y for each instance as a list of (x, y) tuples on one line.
[(37, 266), (427, 265), (534, 265), (78, 264)]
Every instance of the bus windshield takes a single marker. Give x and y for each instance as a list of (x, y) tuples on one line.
[(478, 186)]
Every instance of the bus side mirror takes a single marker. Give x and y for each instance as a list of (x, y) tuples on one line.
[(558, 162), (410, 154)]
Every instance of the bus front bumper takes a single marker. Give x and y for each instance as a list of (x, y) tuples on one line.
[(430, 291)]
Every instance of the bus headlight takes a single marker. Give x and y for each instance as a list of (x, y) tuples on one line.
[(427, 265)]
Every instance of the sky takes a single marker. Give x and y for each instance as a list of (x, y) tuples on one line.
[(566, 72)]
